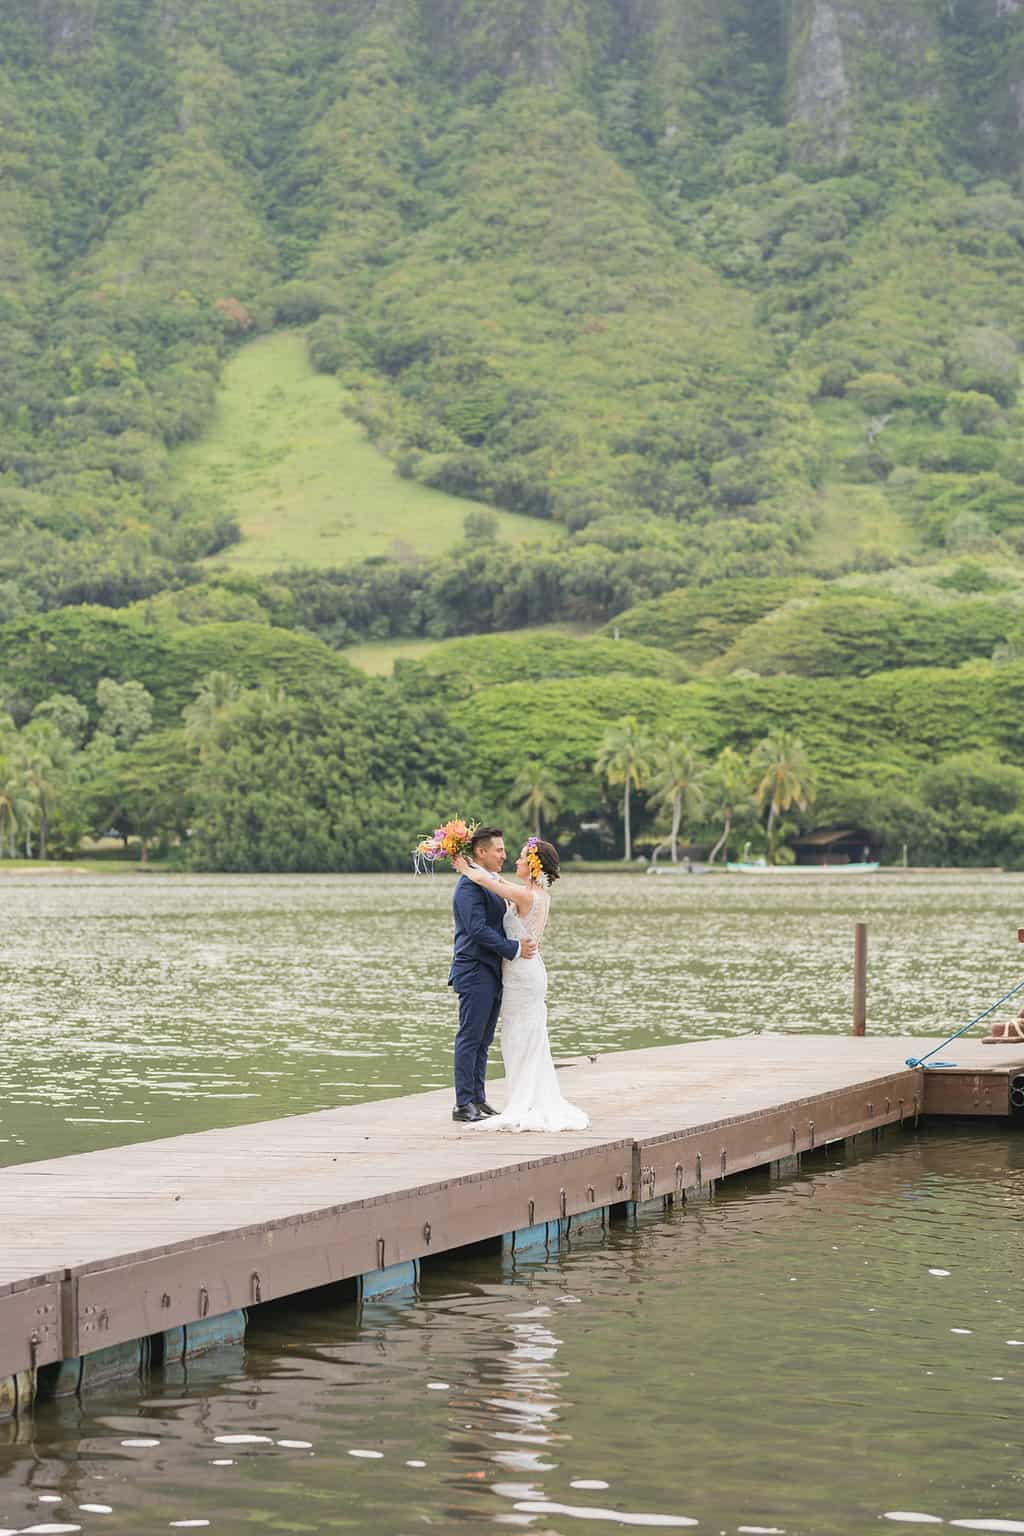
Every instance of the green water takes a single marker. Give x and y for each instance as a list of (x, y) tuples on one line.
[(148, 1005), (781, 1359)]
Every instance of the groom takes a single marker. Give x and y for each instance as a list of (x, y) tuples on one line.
[(480, 947)]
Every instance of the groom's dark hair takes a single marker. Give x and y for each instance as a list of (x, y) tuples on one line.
[(484, 835)]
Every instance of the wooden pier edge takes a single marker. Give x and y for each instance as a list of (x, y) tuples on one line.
[(174, 1298)]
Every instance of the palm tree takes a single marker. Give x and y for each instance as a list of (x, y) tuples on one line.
[(40, 764), (677, 784), (623, 758), (536, 794), (784, 776), (14, 807), (730, 792), (217, 692)]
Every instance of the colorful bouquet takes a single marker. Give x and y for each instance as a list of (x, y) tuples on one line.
[(445, 842)]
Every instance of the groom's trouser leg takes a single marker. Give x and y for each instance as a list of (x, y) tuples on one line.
[(480, 1076), (476, 1008)]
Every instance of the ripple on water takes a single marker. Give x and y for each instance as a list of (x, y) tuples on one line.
[(48, 1530), (988, 1525), (618, 1517)]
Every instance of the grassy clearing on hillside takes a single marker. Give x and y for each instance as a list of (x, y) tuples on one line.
[(1001, 574), (304, 482), (856, 518), (378, 657)]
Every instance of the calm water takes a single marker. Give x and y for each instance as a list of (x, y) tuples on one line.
[(142, 1006), (811, 1357)]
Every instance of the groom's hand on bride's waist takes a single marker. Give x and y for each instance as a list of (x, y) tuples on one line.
[(527, 949)]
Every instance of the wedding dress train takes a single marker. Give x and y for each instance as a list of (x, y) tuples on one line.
[(533, 1099)]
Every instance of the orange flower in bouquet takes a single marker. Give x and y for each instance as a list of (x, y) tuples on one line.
[(445, 842)]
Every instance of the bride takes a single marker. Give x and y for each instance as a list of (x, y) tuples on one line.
[(534, 1102)]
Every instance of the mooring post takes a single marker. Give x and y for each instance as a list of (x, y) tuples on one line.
[(860, 977)]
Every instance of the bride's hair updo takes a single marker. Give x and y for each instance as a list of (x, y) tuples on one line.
[(547, 856)]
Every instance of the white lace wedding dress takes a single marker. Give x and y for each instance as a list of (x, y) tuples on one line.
[(533, 1100)]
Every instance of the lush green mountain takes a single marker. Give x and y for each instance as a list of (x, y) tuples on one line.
[(713, 260), (725, 295)]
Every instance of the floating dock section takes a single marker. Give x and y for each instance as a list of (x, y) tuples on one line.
[(110, 1259)]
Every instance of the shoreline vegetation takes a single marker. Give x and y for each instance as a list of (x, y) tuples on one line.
[(132, 866), (246, 746)]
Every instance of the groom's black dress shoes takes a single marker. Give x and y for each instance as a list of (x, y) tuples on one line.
[(485, 1108), (466, 1112)]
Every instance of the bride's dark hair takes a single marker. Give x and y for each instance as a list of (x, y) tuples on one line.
[(549, 861)]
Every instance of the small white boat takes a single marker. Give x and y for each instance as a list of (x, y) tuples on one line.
[(760, 867)]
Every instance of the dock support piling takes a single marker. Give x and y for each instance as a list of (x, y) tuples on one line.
[(544, 1237), (17, 1394), (61, 1379), (597, 1218), (526, 1239), (860, 978), (388, 1281), (633, 1212), (198, 1338), (113, 1363)]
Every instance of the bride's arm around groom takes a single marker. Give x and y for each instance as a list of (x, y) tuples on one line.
[(521, 896)]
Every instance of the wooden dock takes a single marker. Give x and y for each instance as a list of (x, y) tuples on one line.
[(143, 1243)]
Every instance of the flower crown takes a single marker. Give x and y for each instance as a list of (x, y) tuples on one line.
[(536, 868)]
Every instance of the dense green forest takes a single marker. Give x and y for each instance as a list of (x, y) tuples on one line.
[(725, 295)]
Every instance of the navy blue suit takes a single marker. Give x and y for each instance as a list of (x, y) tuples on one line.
[(480, 947)]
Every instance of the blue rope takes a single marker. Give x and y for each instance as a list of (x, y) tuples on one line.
[(919, 1061)]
